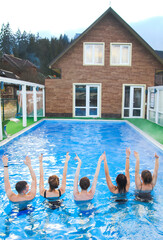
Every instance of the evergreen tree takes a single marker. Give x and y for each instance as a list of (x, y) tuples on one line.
[(40, 51), (6, 39)]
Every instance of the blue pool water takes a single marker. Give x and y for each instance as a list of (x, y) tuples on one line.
[(101, 218)]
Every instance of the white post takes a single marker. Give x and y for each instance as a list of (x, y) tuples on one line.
[(157, 105), (24, 105), (1, 135), (34, 104), (43, 101), (148, 99)]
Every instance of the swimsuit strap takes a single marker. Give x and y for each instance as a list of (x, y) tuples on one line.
[(45, 194), (59, 192)]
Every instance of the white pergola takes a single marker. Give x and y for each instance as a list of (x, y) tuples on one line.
[(24, 85)]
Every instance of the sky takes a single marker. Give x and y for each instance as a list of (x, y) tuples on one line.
[(55, 17)]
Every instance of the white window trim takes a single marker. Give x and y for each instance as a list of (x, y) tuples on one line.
[(99, 103), (123, 98), (121, 44), (92, 64)]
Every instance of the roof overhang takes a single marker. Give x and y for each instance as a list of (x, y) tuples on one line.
[(130, 29), (20, 82)]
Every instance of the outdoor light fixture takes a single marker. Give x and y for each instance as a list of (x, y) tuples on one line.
[(20, 87), (155, 90)]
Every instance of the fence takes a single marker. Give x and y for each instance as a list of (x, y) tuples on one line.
[(155, 104)]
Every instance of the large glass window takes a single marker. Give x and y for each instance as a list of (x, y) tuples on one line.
[(120, 54), (93, 54)]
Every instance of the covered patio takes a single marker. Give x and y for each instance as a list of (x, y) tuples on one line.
[(23, 85)]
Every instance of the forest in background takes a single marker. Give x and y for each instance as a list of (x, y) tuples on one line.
[(40, 51)]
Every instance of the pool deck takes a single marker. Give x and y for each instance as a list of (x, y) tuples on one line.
[(148, 129)]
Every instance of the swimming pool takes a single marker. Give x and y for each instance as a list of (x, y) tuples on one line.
[(102, 218)]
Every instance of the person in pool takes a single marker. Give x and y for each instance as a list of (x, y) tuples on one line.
[(21, 187), (146, 182), (123, 181), (85, 182), (53, 181)]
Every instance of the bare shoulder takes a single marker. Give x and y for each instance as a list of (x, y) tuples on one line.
[(114, 189)]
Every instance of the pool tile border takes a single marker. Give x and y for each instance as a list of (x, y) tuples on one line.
[(159, 145)]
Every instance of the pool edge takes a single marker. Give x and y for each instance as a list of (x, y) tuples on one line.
[(159, 145), (8, 139)]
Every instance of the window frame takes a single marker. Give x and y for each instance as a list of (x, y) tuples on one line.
[(129, 54), (93, 44)]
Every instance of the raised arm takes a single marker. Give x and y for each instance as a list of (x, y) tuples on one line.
[(10, 194), (127, 173), (41, 183), (32, 192), (93, 188), (75, 191), (155, 172), (108, 179), (63, 186), (137, 176)]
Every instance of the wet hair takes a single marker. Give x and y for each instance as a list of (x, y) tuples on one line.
[(84, 183), (53, 182), (20, 186), (121, 181), (146, 176)]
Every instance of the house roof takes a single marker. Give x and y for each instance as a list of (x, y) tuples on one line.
[(8, 74), (160, 53), (18, 62), (131, 30)]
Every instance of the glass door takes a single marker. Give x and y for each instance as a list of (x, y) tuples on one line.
[(87, 100), (133, 101), (136, 110)]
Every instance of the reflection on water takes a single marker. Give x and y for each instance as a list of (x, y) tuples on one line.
[(143, 196), (107, 216), (53, 204), (85, 208)]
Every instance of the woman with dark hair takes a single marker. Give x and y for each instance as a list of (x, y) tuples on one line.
[(85, 182), (123, 181), (146, 182), (53, 181)]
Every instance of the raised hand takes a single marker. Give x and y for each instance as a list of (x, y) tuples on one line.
[(27, 161), (41, 157), (136, 154), (102, 157), (67, 156), (128, 152), (77, 158), (5, 160), (156, 156)]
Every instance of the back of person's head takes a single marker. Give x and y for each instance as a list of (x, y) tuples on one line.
[(20, 186), (146, 176), (84, 183), (53, 182), (121, 181)]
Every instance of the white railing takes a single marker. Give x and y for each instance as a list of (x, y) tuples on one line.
[(155, 104)]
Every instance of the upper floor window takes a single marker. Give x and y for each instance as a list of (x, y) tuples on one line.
[(93, 54), (120, 54)]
